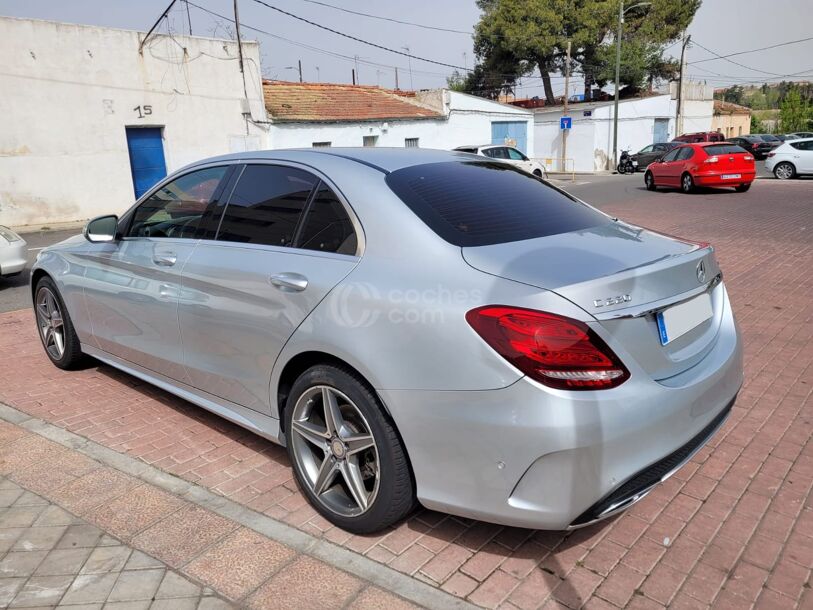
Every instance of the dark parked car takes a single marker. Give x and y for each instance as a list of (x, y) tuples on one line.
[(754, 144), (769, 138), (648, 154)]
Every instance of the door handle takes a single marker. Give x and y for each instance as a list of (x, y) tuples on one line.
[(165, 260), (289, 282)]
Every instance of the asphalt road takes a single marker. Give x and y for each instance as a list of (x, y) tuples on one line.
[(596, 190)]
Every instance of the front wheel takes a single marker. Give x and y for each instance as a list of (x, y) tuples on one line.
[(784, 171), (346, 454), (687, 183), (742, 188), (649, 181), (55, 327)]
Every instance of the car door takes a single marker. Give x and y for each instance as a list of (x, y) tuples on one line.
[(283, 240), (667, 171), (645, 155), (518, 159), (131, 284), (803, 156)]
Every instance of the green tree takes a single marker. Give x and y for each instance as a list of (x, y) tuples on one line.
[(517, 37), (794, 112)]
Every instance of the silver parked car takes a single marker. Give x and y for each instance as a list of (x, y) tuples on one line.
[(12, 253), (414, 325)]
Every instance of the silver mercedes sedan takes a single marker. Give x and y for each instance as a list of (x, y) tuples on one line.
[(416, 326)]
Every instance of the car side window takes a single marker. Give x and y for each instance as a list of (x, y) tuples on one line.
[(647, 149), (175, 210), (671, 155), (266, 205), (515, 155), (499, 153), (326, 226), (685, 153), (490, 152)]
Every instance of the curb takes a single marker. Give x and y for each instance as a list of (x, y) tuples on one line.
[(371, 571)]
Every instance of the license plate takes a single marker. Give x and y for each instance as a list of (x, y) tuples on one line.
[(676, 321), (731, 176)]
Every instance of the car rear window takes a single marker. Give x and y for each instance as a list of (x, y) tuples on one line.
[(724, 149), (483, 203)]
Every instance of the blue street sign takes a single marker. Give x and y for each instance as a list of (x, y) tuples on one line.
[(565, 122)]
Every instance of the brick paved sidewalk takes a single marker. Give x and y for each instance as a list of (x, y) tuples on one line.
[(732, 529), (49, 558), (95, 535)]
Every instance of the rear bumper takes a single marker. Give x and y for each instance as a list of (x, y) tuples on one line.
[(716, 179), (530, 456), (13, 257)]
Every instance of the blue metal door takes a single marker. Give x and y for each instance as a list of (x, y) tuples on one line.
[(147, 165), (502, 131), (661, 131)]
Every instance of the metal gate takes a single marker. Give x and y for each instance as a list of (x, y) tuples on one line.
[(147, 164), (510, 132), (661, 132)]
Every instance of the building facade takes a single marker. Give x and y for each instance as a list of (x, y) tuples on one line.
[(312, 114), (89, 119), (731, 120)]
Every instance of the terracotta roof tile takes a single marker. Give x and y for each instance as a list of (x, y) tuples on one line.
[(287, 101)]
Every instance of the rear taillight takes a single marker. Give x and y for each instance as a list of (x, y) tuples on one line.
[(554, 350), (754, 145), (711, 160), (750, 158)]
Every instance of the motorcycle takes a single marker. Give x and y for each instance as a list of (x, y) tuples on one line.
[(626, 164)]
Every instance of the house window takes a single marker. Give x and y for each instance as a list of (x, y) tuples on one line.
[(321, 145), (370, 140), (411, 143)]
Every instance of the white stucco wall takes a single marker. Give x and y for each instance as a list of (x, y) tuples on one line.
[(467, 120), (590, 141), (69, 91)]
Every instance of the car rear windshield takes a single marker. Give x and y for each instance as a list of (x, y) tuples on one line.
[(483, 203), (724, 149)]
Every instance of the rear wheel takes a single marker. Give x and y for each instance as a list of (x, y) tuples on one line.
[(742, 188), (538, 173), (649, 181), (784, 171), (347, 456), (686, 183), (55, 327)]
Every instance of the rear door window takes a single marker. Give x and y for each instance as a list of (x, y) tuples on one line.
[(671, 155), (685, 153), (266, 205), (482, 203), (326, 226)]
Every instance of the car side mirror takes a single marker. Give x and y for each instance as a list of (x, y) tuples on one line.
[(102, 229)]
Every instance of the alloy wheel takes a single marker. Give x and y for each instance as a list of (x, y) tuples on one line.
[(50, 323), (783, 171), (687, 183), (335, 450)]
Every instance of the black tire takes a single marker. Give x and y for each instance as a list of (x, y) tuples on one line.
[(538, 174), (784, 171), (621, 168), (649, 181), (395, 497), (742, 188), (72, 356), (686, 183)]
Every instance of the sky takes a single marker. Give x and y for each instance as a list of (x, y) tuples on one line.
[(721, 26)]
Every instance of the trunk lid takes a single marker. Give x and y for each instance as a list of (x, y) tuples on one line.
[(621, 275)]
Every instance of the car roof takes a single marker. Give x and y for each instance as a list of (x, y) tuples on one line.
[(383, 159)]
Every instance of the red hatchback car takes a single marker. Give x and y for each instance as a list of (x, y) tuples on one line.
[(712, 164)]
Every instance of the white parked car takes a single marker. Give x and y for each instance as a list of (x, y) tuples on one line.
[(12, 252), (509, 154), (793, 158)]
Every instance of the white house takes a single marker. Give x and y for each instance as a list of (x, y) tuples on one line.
[(88, 118), (322, 114), (641, 121)]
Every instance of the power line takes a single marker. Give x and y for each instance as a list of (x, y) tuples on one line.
[(361, 40), (417, 25), (773, 46), (731, 61)]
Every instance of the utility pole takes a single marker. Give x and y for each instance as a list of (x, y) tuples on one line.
[(565, 113), (617, 79), (409, 57), (299, 63), (396, 78), (318, 76), (356, 69), (679, 109), (354, 76)]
